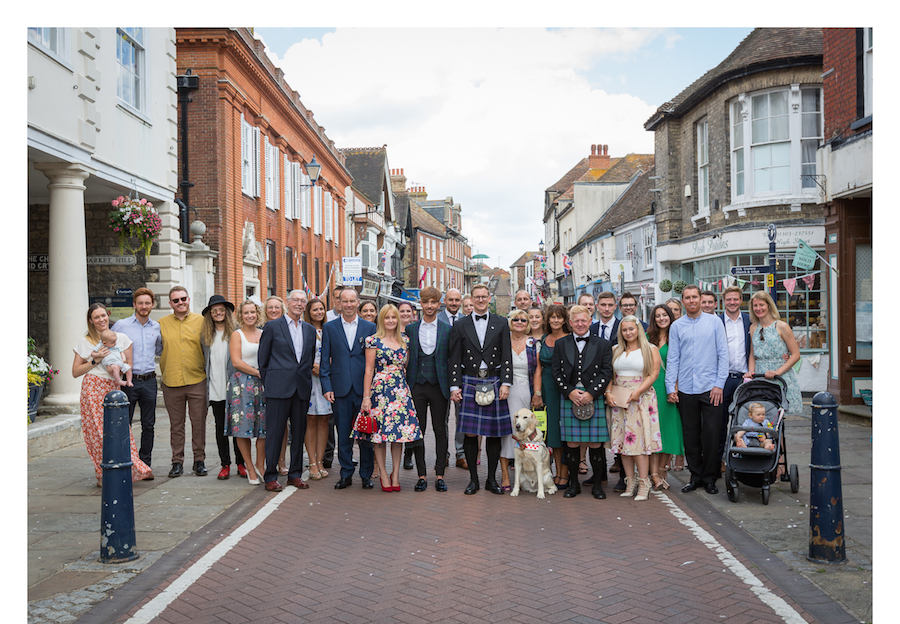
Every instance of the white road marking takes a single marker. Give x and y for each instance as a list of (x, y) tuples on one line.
[(156, 606), (777, 604)]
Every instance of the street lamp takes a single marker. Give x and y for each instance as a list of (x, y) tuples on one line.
[(541, 246), (312, 170)]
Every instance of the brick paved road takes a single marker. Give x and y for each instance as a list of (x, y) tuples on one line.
[(368, 556)]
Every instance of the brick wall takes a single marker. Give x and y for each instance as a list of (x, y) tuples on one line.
[(839, 61)]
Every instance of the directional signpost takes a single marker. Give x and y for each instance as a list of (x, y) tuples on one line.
[(750, 270), (768, 271)]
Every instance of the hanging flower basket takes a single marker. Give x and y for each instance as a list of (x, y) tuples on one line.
[(678, 286), (665, 285), (134, 219), (39, 373)]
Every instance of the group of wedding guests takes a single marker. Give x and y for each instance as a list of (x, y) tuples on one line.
[(284, 373)]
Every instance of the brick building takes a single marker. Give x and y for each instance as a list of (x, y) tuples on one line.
[(845, 162), (249, 140), (736, 151), (522, 274)]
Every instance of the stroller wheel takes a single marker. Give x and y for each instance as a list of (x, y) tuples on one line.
[(731, 490), (765, 494), (795, 479)]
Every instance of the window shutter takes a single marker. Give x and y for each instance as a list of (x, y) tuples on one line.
[(256, 162), (288, 189), (317, 215), (276, 179), (328, 214), (268, 170), (245, 155), (297, 191)]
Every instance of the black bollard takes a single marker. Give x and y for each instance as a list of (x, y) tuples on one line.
[(826, 506), (117, 515)]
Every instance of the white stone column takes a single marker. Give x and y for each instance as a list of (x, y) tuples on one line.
[(68, 286)]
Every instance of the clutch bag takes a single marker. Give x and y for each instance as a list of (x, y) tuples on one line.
[(365, 423), (620, 395)]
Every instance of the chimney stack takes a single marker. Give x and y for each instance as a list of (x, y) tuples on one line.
[(599, 158), (398, 181)]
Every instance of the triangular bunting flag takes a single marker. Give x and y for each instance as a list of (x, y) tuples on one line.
[(809, 280), (789, 285)]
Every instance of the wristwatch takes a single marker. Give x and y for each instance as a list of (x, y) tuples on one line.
[(537, 393), (93, 362)]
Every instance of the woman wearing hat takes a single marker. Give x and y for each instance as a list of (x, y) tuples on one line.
[(218, 325)]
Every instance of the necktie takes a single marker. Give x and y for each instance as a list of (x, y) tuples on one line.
[(452, 318), (604, 332), (481, 317)]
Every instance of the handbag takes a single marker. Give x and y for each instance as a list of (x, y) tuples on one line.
[(620, 395), (541, 417), (365, 423)]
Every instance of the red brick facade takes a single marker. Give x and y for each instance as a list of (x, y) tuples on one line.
[(841, 85), (237, 79)]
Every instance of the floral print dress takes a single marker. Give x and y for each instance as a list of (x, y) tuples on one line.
[(392, 404), (635, 428), (245, 400)]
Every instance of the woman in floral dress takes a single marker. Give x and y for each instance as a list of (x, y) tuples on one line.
[(246, 403), (772, 338), (635, 426), (319, 412), (387, 396)]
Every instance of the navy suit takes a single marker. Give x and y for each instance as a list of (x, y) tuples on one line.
[(429, 395), (341, 371), (287, 383), (733, 381)]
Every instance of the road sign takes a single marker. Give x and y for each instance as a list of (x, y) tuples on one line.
[(770, 280), (750, 270)]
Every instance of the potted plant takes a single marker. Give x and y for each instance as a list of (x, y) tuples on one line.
[(665, 285), (134, 218), (678, 286), (39, 373)]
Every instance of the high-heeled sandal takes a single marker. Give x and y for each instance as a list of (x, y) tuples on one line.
[(630, 486), (643, 492), (582, 467), (660, 483)]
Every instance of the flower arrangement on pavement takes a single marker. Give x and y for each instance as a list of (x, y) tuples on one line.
[(134, 218), (38, 369)]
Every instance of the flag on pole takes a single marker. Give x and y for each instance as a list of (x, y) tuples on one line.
[(422, 279), (567, 264)]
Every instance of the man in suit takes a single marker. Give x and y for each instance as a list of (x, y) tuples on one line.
[(287, 350), (737, 332), (429, 380), (698, 363), (582, 369), (341, 370), (628, 307), (707, 302), (608, 325), (449, 315), (481, 365)]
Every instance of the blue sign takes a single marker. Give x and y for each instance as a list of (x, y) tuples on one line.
[(411, 294), (750, 270)]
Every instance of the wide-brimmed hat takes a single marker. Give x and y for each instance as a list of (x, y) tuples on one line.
[(215, 300)]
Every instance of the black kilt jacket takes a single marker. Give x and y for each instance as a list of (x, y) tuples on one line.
[(466, 355), (592, 368)]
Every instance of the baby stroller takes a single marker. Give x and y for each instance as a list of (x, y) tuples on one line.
[(756, 466)]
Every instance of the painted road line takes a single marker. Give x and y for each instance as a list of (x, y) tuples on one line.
[(156, 606), (774, 602)]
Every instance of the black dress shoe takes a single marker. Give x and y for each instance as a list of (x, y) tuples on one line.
[(588, 481), (343, 483), (439, 485), (472, 487), (493, 487), (366, 483), (711, 488), (421, 485), (200, 469), (620, 486), (573, 490), (691, 486), (597, 491), (177, 471)]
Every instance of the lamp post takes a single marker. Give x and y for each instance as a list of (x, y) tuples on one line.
[(312, 170)]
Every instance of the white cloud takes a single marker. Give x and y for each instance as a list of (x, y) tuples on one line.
[(489, 116)]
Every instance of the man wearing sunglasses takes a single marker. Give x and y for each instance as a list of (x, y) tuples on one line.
[(184, 380)]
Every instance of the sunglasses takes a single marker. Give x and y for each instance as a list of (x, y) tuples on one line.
[(181, 300), (520, 320)]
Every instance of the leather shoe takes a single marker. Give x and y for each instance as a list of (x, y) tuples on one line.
[(597, 491), (242, 470), (421, 485), (343, 483), (298, 483), (273, 486), (472, 487), (367, 483), (200, 469), (493, 487), (439, 485), (462, 463), (691, 486), (711, 488), (224, 473), (573, 490), (177, 471)]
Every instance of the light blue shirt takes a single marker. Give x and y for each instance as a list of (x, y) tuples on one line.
[(698, 355), (146, 342)]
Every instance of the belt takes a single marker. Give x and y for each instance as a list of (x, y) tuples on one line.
[(733, 375), (143, 377)]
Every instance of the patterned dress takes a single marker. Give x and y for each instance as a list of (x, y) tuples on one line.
[(634, 428), (392, 404), (768, 353), (245, 401)]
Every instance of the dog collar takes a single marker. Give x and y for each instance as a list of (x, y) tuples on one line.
[(528, 446)]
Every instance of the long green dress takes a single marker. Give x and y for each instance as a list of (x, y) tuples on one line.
[(550, 394), (669, 417)]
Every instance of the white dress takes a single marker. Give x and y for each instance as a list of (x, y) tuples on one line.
[(519, 397), (318, 404)]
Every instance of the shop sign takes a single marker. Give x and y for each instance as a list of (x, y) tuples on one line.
[(805, 257), (369, 287), (352, 271)]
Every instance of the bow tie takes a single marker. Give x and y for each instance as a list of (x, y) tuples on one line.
[(481, 317), (581, 338)]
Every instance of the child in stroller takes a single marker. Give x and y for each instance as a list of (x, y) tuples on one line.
[(756, 418)]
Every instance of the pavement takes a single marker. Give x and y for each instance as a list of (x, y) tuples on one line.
[(208, 548)]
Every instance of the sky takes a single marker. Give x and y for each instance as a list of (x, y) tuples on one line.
[(493, 116)]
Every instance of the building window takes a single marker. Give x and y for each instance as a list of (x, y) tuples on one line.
[(270, 267), (130, 66), (703, 167), (328, 215), (54, 41), (782, 143), (317, 209), (864, 299), (248, 158), (289, 269), (316, 270), (629, 248), (867, 71), (304, 271), (305, 193), (273, 156), (648, 246), (288, 188)]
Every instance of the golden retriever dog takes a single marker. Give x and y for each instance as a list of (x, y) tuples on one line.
[(532, 457)]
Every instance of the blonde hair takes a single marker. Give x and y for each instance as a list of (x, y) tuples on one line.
[(578, 309), (517, 313), (381, 330), (754, 406), (644, 344), (208, 331), (239, 320), (764, 296)]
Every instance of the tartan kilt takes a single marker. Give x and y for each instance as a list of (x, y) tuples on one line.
[(595, 429), (487, 420)]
